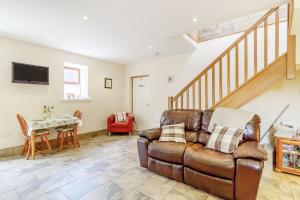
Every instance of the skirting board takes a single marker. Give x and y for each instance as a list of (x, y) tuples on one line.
[(12, 151)]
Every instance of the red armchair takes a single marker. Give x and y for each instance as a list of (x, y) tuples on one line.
[(120, 127)]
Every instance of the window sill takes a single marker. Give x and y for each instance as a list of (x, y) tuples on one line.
[(77, 100)]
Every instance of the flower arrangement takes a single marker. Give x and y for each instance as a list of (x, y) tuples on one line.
[(48, 112)]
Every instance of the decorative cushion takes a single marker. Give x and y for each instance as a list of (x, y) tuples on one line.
[(191, 136), (225, 139), (120, 116), (173, 133)]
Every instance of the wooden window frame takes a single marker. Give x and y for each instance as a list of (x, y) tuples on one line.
[(74, 69)]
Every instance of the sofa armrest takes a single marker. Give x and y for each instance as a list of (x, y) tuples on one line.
[(251, 149), (142, 144), (151, 134), (247, 178), (111, 119)]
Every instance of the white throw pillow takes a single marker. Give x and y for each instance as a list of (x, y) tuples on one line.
[(120, 116), (225, 139)]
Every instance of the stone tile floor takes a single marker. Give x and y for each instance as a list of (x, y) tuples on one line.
[(108, 168)]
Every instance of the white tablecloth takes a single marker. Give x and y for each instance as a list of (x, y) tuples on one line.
[(52, 123)]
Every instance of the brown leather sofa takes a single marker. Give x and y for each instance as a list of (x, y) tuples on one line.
[(229, 176)]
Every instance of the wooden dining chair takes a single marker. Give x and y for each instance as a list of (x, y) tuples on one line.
[(67, 132), (43, 134)]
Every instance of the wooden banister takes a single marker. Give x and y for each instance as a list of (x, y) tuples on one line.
[(210, 73), (291, 4)]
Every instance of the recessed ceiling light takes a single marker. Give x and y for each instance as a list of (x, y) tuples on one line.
[(85, 17), (52, 38), (195, 19), (150, 47)]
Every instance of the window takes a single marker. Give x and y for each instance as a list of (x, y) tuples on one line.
[(75, 81)]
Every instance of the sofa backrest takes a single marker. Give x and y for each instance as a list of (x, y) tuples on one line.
[(192, 119), (198, 121), (252, 128)]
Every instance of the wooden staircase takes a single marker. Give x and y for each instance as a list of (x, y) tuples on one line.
[(249, 66)]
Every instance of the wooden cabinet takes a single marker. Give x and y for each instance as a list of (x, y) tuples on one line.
[(288, 155)]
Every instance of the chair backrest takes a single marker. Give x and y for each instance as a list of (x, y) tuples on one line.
[(23, 124), (78, 114)]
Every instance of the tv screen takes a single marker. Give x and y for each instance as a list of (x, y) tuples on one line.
[(31, 74)]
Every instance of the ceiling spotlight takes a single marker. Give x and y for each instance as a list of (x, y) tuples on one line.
[(52, 38), (150, 47), (195, 19), (85, 17)]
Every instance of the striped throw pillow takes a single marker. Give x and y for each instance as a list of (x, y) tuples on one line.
[(120, 116), (225, 139), (173, 133)]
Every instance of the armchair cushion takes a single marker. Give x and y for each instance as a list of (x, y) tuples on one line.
[(251, 149), (119, 125), (151, 134), (120, 116)]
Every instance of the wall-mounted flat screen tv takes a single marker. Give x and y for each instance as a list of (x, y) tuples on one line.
[(30, 74)]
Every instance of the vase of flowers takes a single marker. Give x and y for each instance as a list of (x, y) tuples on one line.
[(48, 112)]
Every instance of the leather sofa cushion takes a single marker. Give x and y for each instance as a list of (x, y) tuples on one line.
[(206, 117), (170, 170), (220, 187), (191, 118), (203, 137), (168, 151), (209, 161)]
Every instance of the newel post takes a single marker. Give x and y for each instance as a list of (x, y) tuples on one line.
[(170, 103)]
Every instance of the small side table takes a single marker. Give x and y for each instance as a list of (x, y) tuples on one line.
[(287, 154)]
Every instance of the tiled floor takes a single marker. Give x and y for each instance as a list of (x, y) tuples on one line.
[(108, 168)]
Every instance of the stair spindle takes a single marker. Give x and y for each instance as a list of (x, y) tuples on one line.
[(206, 91), (199, 94), (181, 101), (276, 33), (246, 59), (213, 84), (188, 98), (193, 95), (236, 66), (228, 72), (255, 50), (265, 42), (220, 81)]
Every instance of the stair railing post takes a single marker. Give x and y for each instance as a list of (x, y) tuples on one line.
[(170, 103)]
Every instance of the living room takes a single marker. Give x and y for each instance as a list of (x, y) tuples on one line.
[(174, 78)]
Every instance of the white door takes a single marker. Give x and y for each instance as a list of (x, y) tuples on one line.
[(140, 92)]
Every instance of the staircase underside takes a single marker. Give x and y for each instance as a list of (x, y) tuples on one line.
[(257, 85)]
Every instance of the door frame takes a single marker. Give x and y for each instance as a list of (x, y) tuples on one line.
[(131, 79)]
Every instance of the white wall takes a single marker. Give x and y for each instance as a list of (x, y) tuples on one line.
[(29, 99), (185, 67), (272, 102)]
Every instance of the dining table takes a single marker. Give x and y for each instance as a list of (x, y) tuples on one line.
[(51, 124)]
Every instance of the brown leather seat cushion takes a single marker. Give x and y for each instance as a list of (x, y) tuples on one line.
[(209, 161), (168, 151)]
